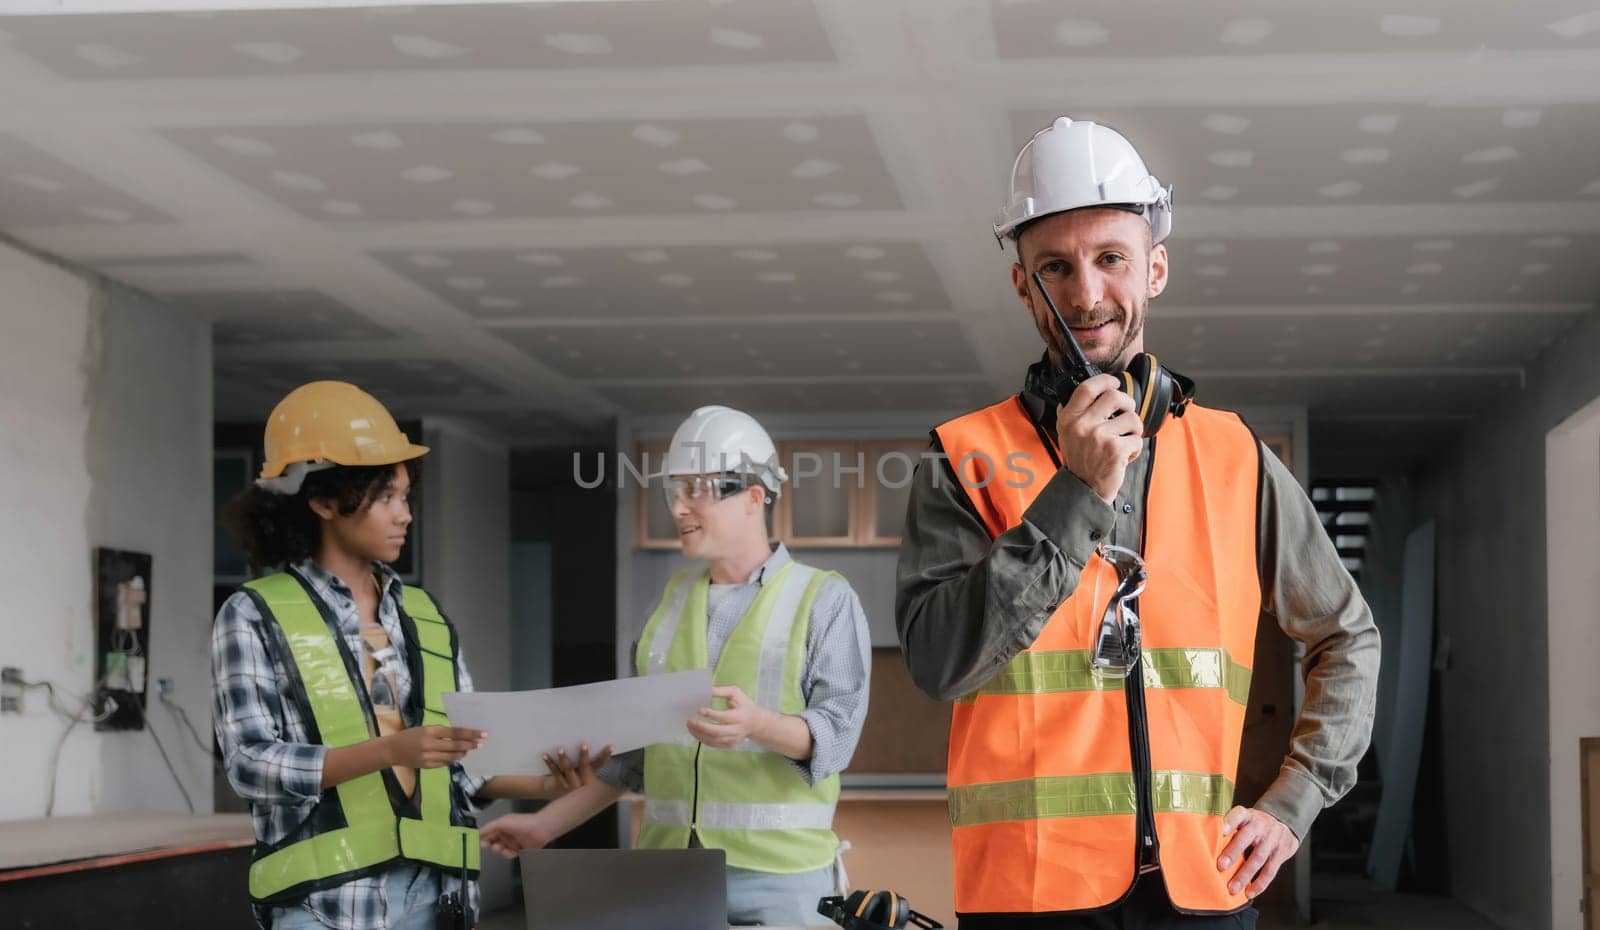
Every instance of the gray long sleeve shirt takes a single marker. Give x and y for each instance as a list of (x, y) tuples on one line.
[(834, 676), (966, 604)]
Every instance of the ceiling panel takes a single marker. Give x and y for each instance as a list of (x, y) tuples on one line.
[(38, 189), (1354, 154), (775, 350), (463, 171), (1160, 28), (732, 280), (255, 317), (647, 34)]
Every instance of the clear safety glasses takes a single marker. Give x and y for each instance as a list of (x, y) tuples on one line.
[(703, 489), (1116, 645)]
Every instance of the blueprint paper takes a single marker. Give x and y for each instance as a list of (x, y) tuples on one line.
[(625, 714)]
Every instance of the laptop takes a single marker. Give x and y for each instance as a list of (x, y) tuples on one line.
[(625, 889)]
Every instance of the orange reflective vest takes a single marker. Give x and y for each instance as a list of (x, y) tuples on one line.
[(1058, 774)]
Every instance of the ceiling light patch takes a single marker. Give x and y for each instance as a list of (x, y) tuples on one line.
[(1081, 33), (497, 302), (1434, 246), (1211, 248), (801, 133), (675, 279), (659, 136), (427, 174), (894, 297), (814, 168), (777, 277), (1226, 124), (1521, 117), (684, 167), (1378, 124), (714, 202), (1246, 32), (1425, 268), (1324, 247), (541, 259), (429, 260), (554, 170), (579, 43), (1232, 158), (589, 200), (1339, 190), (1476, 188), (1212, 271), (1576, 27), (468, 282), (755, 255), (425, 47), (1319, 270), (649, 256), (736, 39), (561, 280), (1220, 192), (1490, 156), (1535, 268), (881, 277)]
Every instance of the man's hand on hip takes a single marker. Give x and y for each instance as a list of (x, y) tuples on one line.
[(1100, 434), (1263, 844)]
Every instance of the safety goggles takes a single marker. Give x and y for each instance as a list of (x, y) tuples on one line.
[(703, 489), (1116, 645)]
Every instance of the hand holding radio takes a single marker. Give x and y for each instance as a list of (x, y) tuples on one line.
[(1099, 433)]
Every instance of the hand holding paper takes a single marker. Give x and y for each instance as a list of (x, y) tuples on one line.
[(625, 715)]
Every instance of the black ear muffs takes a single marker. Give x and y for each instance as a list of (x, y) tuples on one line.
[(1156, 391), (874, 910)]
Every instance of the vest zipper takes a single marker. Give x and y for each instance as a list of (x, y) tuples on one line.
[(1148, 847), (694, 804)]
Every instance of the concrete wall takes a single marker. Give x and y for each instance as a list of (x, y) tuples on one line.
[(105, 403), (1488, 496), (466, 566)]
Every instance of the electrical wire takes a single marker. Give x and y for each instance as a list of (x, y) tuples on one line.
[(183, 716), (138, 705)]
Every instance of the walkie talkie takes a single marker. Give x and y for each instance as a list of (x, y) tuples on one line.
[(1156, 390), (450, 912)]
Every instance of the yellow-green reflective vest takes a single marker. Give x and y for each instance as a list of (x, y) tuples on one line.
[(358, 828), (749, 801)]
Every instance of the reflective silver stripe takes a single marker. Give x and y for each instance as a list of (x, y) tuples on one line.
[(715, 815), (667, 629), (666, 813), (775, 643)]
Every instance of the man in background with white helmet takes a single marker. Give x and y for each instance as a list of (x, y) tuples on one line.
[(1084, 575), (757, 775)]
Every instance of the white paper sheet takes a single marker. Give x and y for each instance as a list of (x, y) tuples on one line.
[(625, 714)]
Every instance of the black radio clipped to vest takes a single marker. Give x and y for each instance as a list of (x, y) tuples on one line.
[(450, 911), (1156, 390)]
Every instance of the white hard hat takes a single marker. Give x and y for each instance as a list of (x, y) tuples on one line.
[(1072, 165), (717, 440)]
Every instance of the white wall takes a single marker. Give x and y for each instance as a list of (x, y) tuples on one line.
[(1572, 461), (105, 440), (466, 566)]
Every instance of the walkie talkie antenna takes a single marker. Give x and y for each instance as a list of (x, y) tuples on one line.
[(1079, 368)]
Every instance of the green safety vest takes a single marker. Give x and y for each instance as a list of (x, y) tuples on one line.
[(358, 828), (748, 801)]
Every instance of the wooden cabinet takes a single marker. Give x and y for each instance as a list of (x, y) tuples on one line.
[(840, 493)]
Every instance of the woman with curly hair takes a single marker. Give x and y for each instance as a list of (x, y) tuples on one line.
[(327, 676)]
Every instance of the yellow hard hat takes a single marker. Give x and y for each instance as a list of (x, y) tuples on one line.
[(331, 421)]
